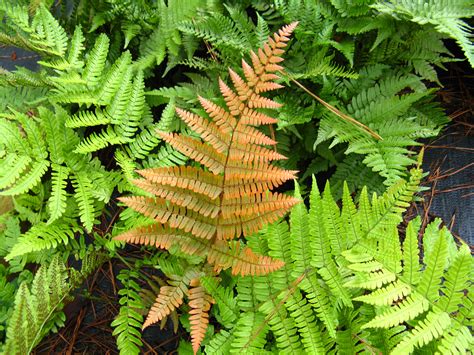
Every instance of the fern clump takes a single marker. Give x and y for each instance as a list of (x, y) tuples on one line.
[(349, 285), (436, 293), (132, 98), (35, 146)]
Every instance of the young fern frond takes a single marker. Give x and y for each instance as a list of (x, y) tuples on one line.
[(200, 303)]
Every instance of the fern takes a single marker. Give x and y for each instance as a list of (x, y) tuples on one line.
[(165, 38), (321, 290), (44, 147), (445, 17), (428, 292), (202, 211), (129, 320), (43, 34), (37, 309), (390, 156)]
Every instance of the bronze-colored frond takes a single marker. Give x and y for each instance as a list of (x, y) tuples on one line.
[(195, 149), (170, 297), (186, 177), (205, 210), (200, 303), (242, 261)]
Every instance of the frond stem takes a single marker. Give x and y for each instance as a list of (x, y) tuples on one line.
[(335, 110)]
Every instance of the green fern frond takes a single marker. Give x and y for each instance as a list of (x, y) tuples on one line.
[(87, 119), (444, 16), (282, 326), (34, 308), (83, 194), (433, 325), (132, 115), (129, 321), (311, 334), (220, 343), (166, 39), (37, 309), (57, 200), (28, 180), (99, 140), (224, 299), (34, 311), (11, 167), (42, 236), (415, 294), (96, 61), (249, 333)]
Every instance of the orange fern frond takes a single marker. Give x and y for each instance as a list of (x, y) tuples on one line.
[(175, 216), (221, 117), (241, 261), (250, 153), (253, 205), (170, 297), (209, 131), (200, 303), (195, 149), (186, 177), (247, 134), (205, 208), (200, 203)]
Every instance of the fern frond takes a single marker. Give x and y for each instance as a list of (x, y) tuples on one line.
[(87, 119), (186, 177), (249, 334), (96, 61), (57, 200), (128, 322), (311, 334), (456, 278), (42, 236), (28, 180), (319, 299), (33, 308), (434, 324), (200, 303), (97, 141), (37, 309), (83, 194), (52, 125), (284, 329), (224, 299), (170, 297), (420, 293), (446, 19), (194, 149), (241, 207), (11, 168)]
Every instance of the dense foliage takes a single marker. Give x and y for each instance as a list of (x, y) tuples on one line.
[(138, 87)]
